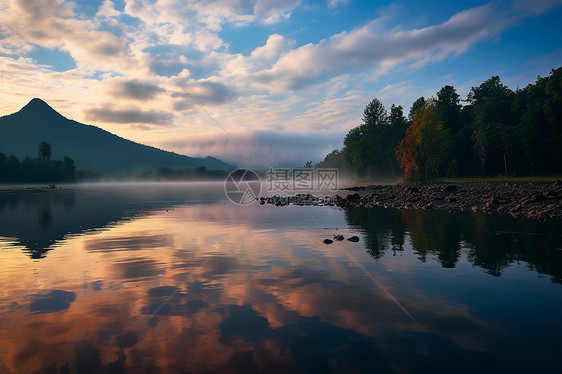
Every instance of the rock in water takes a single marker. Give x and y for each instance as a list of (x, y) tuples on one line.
[(338, 237), (354, 239), (328, 241)]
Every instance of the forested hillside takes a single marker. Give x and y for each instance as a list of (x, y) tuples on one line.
[(494, 131), (90, 147)]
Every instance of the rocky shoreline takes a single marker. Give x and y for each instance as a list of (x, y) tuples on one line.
[(532, 200)]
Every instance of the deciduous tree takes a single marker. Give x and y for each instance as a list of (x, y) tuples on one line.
[(423, 151)]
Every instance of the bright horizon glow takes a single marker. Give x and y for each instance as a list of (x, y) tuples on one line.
[(260, 83)]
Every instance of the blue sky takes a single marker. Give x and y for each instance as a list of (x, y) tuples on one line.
[(260, 83)]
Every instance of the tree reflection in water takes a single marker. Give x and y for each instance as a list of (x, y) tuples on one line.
[(491, 242)]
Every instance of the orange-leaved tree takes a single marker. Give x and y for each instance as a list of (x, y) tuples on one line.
[(424, 149)]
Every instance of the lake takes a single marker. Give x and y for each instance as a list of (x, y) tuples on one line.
[(170, 278)]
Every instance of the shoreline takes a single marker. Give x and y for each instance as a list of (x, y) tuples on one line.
[(531, 200)]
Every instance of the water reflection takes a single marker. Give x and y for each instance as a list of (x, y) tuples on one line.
[(222, 288), (39, 218), (53, 301), (491, 242)]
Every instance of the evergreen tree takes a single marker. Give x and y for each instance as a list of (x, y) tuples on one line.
[(415, 106)]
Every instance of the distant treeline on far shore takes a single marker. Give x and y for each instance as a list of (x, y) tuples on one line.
[(34, 170), (494, 131), (44, 170), (199, 173)]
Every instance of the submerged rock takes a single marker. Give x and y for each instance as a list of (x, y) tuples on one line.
[(353, 238), (338, 237), (328, 241)]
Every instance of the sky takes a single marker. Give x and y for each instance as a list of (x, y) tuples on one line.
[(261, 83)]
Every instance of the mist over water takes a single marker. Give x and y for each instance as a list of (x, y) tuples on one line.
[(173, 277)]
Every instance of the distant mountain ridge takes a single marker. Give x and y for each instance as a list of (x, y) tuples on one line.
[(91, 147)]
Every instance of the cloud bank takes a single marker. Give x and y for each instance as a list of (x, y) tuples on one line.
[(259, 149), (109, 114)]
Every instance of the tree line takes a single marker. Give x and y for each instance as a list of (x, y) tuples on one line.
[(494, 131), (40, 169)]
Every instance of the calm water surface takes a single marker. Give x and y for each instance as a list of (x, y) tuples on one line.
[(172, 278)]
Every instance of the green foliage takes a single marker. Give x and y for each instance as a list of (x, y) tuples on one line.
[(374, 113), (40, 169), (396, 117), (334, 159), (493, 124), (368, 148), (449, 113), (497, 132), (44, 151), (518, 133), (420, 102), (540, 124), (448, 107)]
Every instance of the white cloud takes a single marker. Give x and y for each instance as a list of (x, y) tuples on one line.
[(132, 115), (207, 41), (366, 48), (134, 89), (22, 79), (275, 45), (197, 23), (206, 93), (396, 92), (535, 7), (335, 3), (271, 11), (107, 9), (53, 24)]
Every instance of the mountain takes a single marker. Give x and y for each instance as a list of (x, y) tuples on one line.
[(90, 147)]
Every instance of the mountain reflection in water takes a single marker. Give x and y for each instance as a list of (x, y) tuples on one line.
[(173, 279)]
